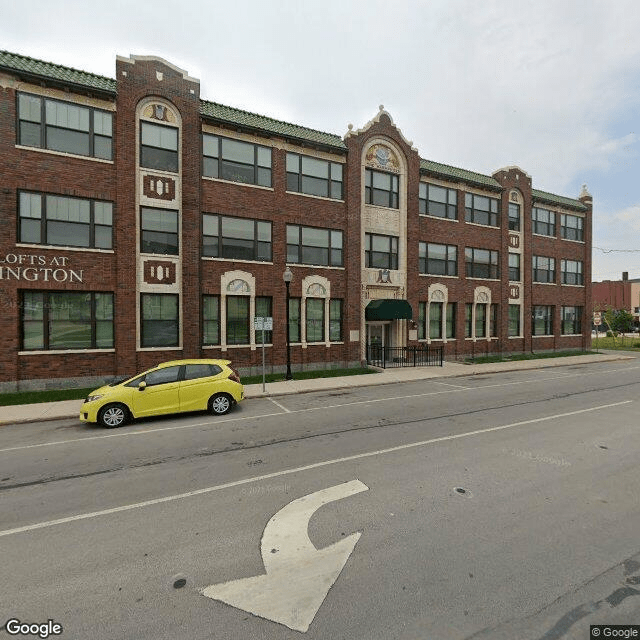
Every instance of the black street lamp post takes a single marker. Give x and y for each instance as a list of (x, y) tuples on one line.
[(287, 276)]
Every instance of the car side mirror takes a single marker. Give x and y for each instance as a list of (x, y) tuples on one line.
[(142, 386)]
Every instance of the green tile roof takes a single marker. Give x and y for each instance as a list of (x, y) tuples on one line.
[(453, 173), (23, 64), (552, 198), (229, 115)]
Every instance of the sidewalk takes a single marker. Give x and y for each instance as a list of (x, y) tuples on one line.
[(71, 408)]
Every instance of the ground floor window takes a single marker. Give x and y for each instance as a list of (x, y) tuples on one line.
[(493, 320), (514, 320), (451, 320), (67, 320), (315, 319), (542, 321), (238, 319), (335, 320), (571, 320), (294, 320), (435, 320), (211, 320), (159, 320)]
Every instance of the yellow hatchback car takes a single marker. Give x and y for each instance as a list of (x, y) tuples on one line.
[(171, 387)]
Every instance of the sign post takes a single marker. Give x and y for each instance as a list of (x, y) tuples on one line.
[(263, 324), (597, 320)]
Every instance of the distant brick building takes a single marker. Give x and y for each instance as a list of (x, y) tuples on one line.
[(141, 223), (618, 294)]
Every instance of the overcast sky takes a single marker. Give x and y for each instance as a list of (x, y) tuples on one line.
[(552, 86)]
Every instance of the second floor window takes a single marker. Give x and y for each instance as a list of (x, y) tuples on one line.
[(236, 238), (236, 160), (514, 267), (544, 269), (64, 126), (571, 272), (381, 188), (314, 176), (437, 201), (158, 231), (481, 263), (481, 210), (158, 147), (438, 259), (63, 221), (571, 227), (310, 245), (544, 221), (381, 252)]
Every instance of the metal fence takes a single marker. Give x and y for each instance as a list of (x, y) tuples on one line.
[(388, 357)]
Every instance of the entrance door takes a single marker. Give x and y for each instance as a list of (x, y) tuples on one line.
[(377, 339)]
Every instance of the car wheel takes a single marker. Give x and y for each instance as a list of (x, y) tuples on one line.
[(113, 415), (220, 404)]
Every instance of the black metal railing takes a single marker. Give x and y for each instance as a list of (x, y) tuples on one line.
[(388, 357)]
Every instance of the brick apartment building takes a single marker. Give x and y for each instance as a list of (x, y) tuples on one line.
[(141, 223)]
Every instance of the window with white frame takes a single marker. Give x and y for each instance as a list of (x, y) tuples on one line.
[(543, 221), (571, 227), (544, 269), (571, 272)]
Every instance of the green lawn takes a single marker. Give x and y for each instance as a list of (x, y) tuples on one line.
[(526, 356), (624, 344), (54, 395)]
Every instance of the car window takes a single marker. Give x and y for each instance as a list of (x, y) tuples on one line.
[(162, 376), (135, 382), (194, 371)]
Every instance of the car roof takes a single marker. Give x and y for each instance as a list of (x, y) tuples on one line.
[(173, 363)]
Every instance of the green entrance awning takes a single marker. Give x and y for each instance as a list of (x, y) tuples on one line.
[(388, 310)]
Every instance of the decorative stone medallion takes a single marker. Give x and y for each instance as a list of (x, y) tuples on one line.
[(382, 157), (159, 272), (159, 188)]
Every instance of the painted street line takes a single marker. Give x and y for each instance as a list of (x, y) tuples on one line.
[(286, 472), (280, 406), (297, 575), (145, 432), (455, 386)]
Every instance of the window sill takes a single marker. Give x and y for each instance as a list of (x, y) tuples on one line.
[(486, 279), (550, 335), (515, 337), (379, 206), (210, 259), (570, 240), (59, 247), (158, 348), (242, 184), (544, 235), (433, 275), (314, 266), (483, 339), (63, 351), (62, 154), (484, 226), (309, 195), (575, 286), (547, 284), (166, 256), (426, 215), (571, 335)]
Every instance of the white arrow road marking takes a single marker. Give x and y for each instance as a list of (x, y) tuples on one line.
[(298, 576)]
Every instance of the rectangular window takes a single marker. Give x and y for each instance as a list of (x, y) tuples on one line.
[(481, 210), (236, 160), (481, 320), (236, 238), (159, 320), (435, 320), (381, 252), (335, 320), (210, 320), (543, 221), (571, 272), (438, 259), (493, 321), (64, 126), (158, 147), (314, 177), (63, 221), (422, 319), (66, 320), (468, 320), (542, 321), (437, 201), (381, 189), (158, 231), (514, 319), (571, 227), (481, 263), (264, 308), (514, 217), (315, 319), (237, 319), (294, 320), (310, 245), (544, 269), (571, 321), (451, 320), (514, 267)]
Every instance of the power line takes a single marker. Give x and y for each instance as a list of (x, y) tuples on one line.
[(617, 250)]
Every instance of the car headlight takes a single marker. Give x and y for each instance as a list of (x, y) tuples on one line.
[(92, 398)]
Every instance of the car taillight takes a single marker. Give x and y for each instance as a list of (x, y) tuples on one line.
[(235, 376)]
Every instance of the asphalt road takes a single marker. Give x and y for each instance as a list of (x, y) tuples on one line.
[(497, 506)]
